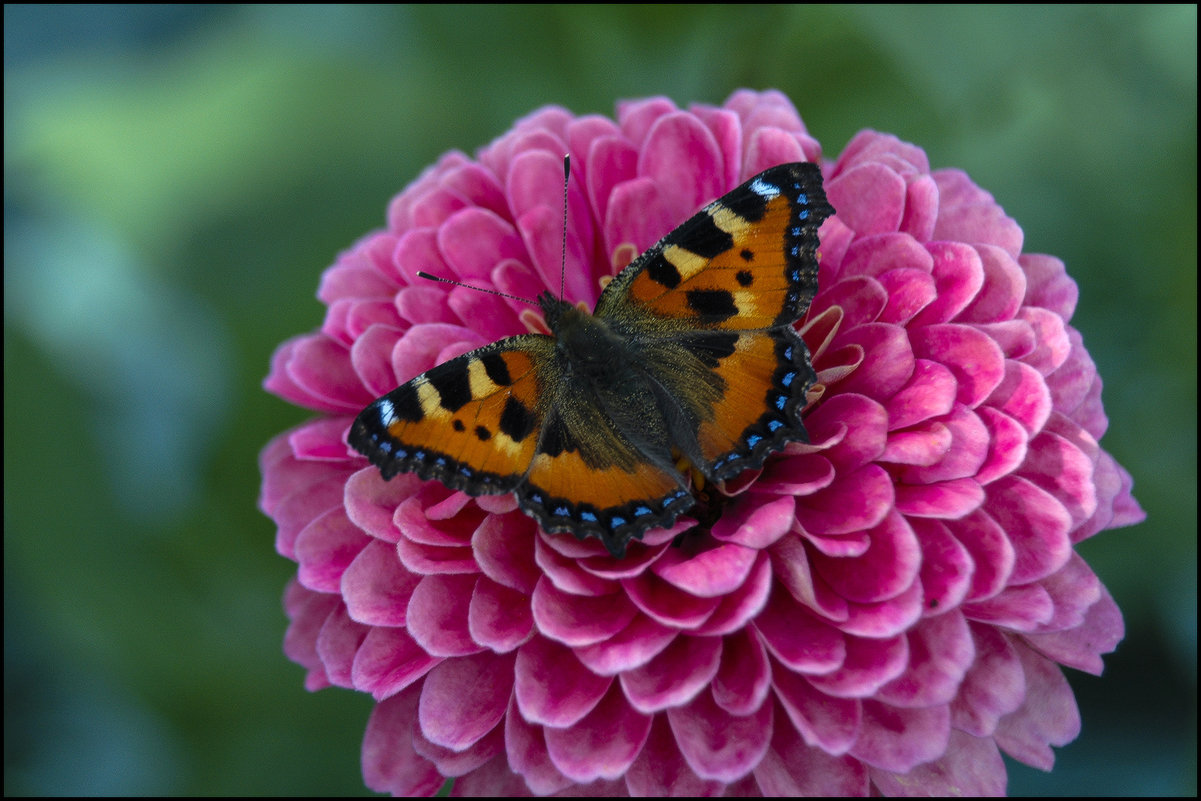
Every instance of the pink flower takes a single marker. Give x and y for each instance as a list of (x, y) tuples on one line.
[(885, 609)]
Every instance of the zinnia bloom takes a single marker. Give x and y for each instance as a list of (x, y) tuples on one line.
[(885, 609)]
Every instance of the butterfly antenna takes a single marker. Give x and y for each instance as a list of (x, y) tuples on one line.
[(485, 290), (563, 258)]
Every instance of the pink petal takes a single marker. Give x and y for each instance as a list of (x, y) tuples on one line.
[(499, 617), (388, 661), (743, 675), (898, 740), (438, 612), (711, 573), (462, 699), (579, 620), (390, 765), (971, 767), (603, 744), (716, 744), (869, 665), (940, 653), (1037, 523), (674, 676), (993, 687), (552, 687), (660, 769), (633, 646), (799, 640), (793, 769), (826, 722), (1049, 716)]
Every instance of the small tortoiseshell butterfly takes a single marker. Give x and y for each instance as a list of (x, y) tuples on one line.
[(690, 353)]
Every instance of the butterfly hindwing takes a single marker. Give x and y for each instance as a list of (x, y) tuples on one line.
[(472, 423)]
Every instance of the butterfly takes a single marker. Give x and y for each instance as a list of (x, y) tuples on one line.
[(690, 354)]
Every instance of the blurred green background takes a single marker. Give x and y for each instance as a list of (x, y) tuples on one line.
[(177, 177)]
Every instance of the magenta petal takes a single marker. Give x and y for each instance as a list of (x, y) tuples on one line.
[(886, 569), (458, 763), (674, 676), (799, 640), (388, 661), (552, 687), (1038, 525), (569, 575), (990, 550), (972, 357), (948, 500), (711, 573), (793, 769), (660, 769), (633, 646), (325, 548), (579, 620), (376, 588), (492, 779), (994, 685), (971, 767), (765, 523), (390, 765), (1081, 647), (869, 665), (665, 604), (743, 676), (946, 572), (680, 135), (525, 745), (940, 653), (873, 198), (503, 547), (1008, 444), (462, 699), (854, 502), (438, 615), (898, 740), (826, 722), (1023, 608), (969, 214), (716, 744), (499, 617), (603, 744), (1049, 716), (307, 611), (737, 608), (930, 392), (886, 618), (337, 644)]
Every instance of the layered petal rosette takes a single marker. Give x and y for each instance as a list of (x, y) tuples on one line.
[(885, 609)]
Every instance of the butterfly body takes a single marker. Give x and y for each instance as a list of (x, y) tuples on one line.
[(690, 353)]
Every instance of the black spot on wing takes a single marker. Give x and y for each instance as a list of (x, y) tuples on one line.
[(496, 369), (452, 383), (744, 277), (516, 421), (712, 305), (746, 203), (700, 235), (482, 434), (663, 272), (405, 404)]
